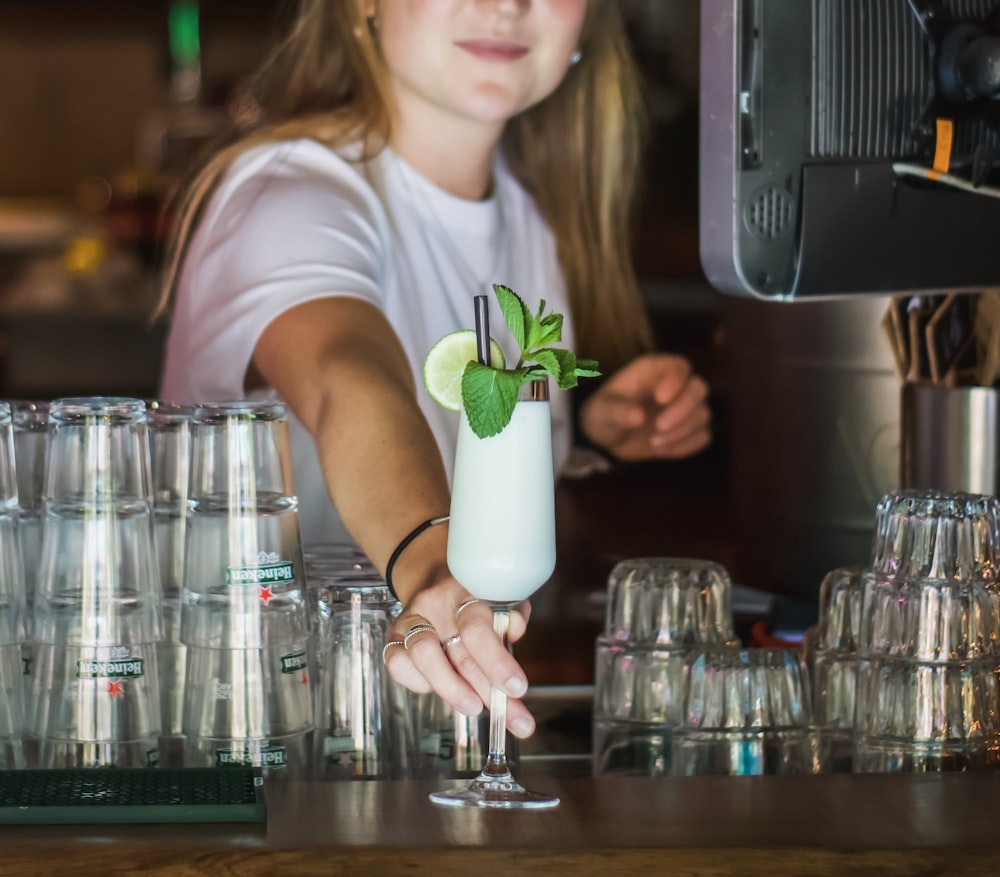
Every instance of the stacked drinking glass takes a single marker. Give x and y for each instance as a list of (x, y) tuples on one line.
[(243, 615), (660, 610), (834, 667), (96, 616), (31, 422), (364, 722), (170, 456), (927, 696), (11, 604)]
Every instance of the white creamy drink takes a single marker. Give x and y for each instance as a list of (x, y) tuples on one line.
[(501, 537)]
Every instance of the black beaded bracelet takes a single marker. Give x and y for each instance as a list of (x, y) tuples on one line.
[(407, 539)]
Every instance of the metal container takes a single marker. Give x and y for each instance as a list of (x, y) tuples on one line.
[(950, 438)]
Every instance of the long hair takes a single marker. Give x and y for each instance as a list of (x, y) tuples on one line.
[(577, 153)]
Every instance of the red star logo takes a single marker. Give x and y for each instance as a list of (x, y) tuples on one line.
[(265, 594), (305, 678), (115, 688)]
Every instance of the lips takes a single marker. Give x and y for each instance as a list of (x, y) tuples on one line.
[(494, 50)]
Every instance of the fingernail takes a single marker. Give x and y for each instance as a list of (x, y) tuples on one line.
[(516, 686), (471, 707), (522, 727)]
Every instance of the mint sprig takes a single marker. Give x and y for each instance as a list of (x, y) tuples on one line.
[(489, 394)]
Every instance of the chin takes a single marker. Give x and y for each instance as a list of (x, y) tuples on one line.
[(496, 105)]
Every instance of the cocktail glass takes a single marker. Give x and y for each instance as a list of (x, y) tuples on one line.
[(501, 548)]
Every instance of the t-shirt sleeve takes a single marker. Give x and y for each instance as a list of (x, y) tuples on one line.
[(287, 225)]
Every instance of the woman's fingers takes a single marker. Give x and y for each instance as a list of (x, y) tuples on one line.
[(463, 673)]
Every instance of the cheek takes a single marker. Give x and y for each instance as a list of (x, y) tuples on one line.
[(567, 15)]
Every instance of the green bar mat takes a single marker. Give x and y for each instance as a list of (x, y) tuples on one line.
[(131, 795)]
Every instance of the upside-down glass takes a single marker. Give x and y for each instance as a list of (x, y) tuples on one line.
[(356, 737), (669, 601), (640, 694), (501, 548), (170, 457), (243, 613), (97, 615), (748, 713), (31, 421), (930, 534), (927, 692), (11, 604), (833, 665)]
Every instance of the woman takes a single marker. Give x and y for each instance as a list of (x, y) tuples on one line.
[(409, 154)]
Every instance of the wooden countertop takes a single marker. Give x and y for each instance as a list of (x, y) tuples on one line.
[(807, 825)]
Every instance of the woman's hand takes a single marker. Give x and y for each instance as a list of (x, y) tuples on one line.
[(652, 408), (461, 671)]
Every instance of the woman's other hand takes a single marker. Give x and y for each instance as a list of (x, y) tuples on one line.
[(655, 407)]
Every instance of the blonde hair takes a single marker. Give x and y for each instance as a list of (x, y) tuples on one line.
[(577, 153)]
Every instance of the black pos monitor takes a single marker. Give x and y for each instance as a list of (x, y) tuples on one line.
[(850, 146)]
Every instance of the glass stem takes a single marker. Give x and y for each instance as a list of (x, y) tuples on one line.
[(496, 762)]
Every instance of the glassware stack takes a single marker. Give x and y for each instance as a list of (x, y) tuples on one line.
[(96, 616), (833, 665), (170, 459), (660, 610), (31, 422), (929, 647), (244, 619), (12, 604), (364, 718)]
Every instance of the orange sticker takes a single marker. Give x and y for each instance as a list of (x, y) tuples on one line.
[(942, 151)]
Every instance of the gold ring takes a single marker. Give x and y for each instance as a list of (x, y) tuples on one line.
[(467, 603), (457, 638), (413, 631), (385, 649)]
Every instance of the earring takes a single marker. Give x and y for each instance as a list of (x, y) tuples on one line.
[(575, 57)]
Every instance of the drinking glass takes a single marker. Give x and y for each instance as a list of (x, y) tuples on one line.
[(244, 619), (833, 666), (640, 694), (31, 421), (748, 713), (669, 601), (930, 534), (170, 458), (11, 603), (354, 722), (97, 613), (501, 547), (918, 716)]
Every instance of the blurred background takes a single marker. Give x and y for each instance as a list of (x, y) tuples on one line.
[(104, 105)]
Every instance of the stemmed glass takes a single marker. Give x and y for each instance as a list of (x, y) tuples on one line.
[(501, 548)]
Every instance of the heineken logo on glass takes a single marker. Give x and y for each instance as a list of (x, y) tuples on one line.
[(269, 570), (129, 668), (293, 663), (266, 756)]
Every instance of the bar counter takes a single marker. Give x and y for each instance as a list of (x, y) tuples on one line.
[(800, 825)]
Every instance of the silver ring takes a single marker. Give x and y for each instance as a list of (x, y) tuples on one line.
[(413, 631), (466, 604), (457, 638), (385, 649)]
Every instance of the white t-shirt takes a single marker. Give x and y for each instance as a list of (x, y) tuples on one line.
[(294, 221)]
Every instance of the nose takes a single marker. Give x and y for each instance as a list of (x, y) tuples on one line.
[(506, 7)]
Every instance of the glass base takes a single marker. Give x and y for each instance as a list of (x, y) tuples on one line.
[(503, 792)]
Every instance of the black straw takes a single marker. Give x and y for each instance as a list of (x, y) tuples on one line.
[(483, 329)]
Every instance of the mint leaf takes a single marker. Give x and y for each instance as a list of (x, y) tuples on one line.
[(515, 313), (561, 364), (489, 396), (545, 331), (587, 368)]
